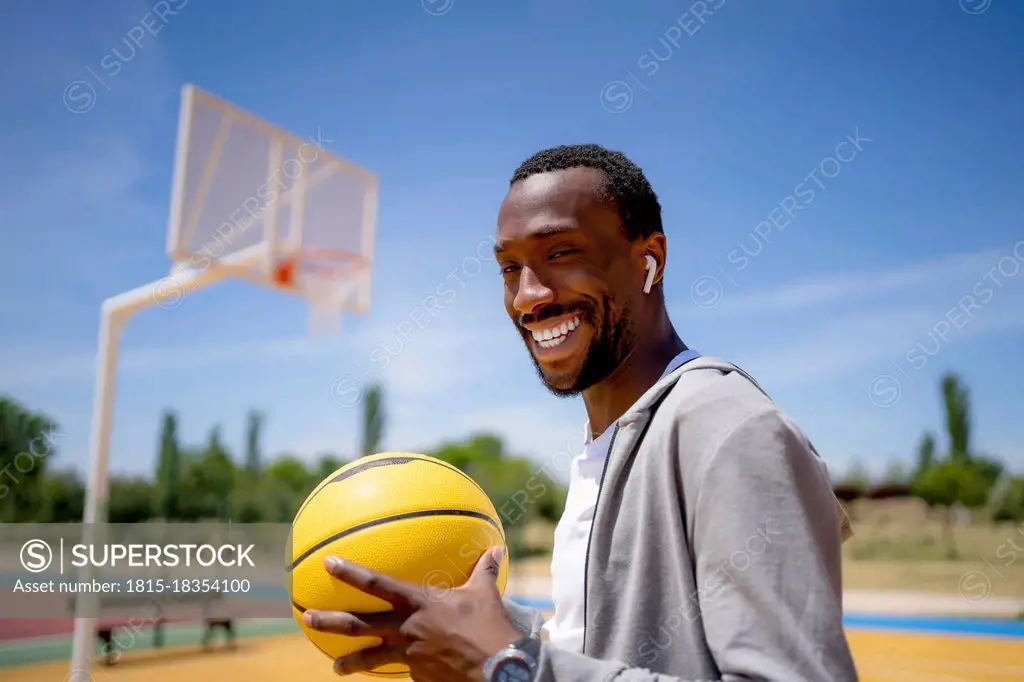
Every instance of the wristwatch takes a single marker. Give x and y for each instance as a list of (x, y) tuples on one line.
[(515, 663)]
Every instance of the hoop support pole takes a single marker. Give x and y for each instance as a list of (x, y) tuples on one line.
[(112, 321), (114, 314)]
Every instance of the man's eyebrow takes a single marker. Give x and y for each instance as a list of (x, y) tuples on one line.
[(541, 233)]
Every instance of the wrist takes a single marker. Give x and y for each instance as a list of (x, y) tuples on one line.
[(502, 639)]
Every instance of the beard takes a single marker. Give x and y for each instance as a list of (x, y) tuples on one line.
[(612, 339)]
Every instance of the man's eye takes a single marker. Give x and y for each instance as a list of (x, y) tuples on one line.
[(508, 269), (563, 252)]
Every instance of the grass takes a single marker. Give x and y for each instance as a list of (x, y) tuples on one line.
[(899, 545)]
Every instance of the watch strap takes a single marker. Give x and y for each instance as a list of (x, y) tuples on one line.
[(530, 645), (525, 652)]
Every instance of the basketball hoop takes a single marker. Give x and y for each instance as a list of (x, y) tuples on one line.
[(328, 277)]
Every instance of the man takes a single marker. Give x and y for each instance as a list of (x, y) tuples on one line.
[(700, 538)]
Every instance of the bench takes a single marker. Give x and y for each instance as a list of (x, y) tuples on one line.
[(107, 628)]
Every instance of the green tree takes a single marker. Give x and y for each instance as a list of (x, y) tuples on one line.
[(168, 478), (956, 403), (64, 496), (1006, 503), (990, 469), (857, 476), (253, 455), (27, 441), (895, 473), (373, 420), (286, 482), (208, 480), (516, 486), (551, 502), (925, 454), (247, 501), (947, 484), (131, 500), (291, 472), (326, 464), (221, 472)]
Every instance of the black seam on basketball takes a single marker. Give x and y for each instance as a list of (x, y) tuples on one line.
[(374, 673), (403, 459), (385, 461), (389, 519), (460, 472), (382, 462), (321, 650), (317, 491)]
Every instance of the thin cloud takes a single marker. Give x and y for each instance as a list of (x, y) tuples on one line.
[(859, 340), (822, 291), (429, 362), (81, 367)]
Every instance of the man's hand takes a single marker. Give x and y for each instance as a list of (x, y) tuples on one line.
[(440, 636)]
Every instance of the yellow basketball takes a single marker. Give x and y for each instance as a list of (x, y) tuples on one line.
[(410, 516)]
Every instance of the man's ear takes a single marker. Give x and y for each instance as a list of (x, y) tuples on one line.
[(655, 247), (652, 270)]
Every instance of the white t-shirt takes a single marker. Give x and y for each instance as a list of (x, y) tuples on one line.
[(572, 534)]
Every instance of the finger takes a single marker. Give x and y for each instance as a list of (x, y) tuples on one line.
[(396, 592), (488, 567), (381, 625), (366, 660)]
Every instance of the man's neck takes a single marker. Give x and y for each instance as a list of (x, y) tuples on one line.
[(641, 369)]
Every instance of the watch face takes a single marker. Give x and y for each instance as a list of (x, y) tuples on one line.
[(512, 671)]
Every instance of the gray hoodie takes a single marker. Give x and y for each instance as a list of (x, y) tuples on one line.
[(715, 548)]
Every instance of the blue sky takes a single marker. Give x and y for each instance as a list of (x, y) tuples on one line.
[(835, 178)]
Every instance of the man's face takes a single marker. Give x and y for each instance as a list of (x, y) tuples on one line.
[(571, 277)]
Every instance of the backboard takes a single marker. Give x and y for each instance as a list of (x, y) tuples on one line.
[(247, 194)]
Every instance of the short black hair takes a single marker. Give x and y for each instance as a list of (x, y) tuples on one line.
[(627, 184)]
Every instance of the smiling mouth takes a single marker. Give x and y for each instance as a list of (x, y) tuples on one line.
[(557, 334)]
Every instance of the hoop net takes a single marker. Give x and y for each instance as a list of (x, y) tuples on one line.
[(328, 277)]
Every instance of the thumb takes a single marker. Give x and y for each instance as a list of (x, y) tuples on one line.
[(488, 567)]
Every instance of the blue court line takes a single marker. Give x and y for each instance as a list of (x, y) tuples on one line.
[(955, 626), (870, 621)]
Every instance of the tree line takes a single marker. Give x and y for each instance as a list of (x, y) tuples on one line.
[(207, 481), (956, 476)]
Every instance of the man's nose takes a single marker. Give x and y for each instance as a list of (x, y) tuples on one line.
[(532, 292)]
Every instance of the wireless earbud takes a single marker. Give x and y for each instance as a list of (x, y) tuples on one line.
[(652, 269)]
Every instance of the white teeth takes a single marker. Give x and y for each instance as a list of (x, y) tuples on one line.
[(553, 342), (549, 338)]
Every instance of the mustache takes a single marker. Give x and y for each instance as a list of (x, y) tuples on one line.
[(554, 310)]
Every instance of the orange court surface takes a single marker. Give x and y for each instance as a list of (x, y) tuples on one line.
[(881, 655)]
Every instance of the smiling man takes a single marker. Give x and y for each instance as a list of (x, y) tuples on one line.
[(700, 538)]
